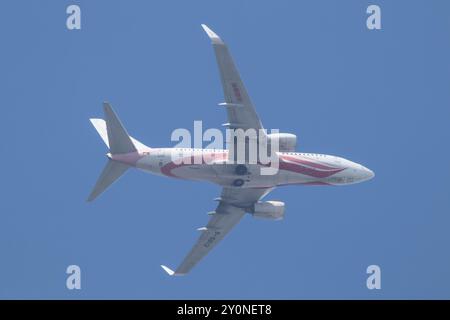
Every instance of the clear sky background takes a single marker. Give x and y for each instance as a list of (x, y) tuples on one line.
[(380, 98)]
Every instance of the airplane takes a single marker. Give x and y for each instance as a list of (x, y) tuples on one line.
[(243, 185)]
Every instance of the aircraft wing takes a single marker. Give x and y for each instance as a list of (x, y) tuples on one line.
[(240, 110), (233, 204)]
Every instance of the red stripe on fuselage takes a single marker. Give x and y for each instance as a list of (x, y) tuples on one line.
[(308, 162), (296, 165), (297, 168)]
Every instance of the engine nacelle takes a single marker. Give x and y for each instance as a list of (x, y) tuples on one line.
[(286, 141), (273, 210)]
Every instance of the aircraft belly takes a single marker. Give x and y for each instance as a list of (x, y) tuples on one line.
[(194, 172), (226, 176), (221, 174), (296, 178), (151, 165)]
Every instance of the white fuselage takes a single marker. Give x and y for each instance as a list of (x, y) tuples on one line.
[(212, 165)]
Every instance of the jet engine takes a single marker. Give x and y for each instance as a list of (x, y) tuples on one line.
[(273, 210), (286, 141)]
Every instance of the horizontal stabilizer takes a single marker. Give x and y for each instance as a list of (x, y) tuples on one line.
[(112, 171)]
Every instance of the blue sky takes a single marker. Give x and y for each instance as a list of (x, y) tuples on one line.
[(380, 98)]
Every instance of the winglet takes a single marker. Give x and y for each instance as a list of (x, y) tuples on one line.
[(214, 37), (169, 271)]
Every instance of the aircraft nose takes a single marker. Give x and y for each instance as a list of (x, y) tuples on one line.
[(366, 173)]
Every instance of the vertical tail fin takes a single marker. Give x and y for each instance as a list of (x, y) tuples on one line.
[(118, 141), (118, 138), (100, 126)]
